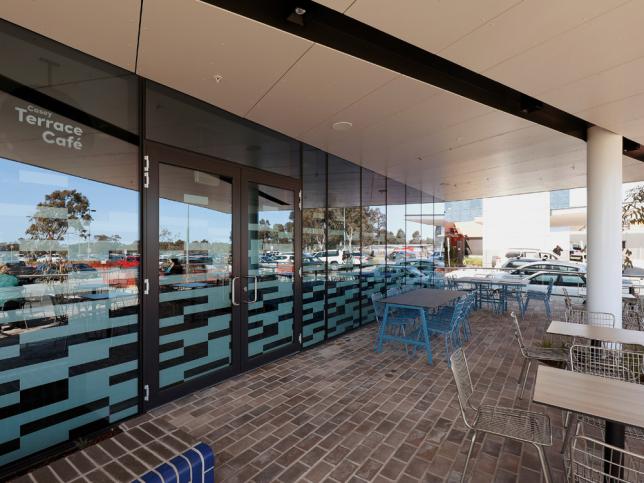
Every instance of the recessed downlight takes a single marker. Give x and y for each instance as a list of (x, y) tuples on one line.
[(342, 126)]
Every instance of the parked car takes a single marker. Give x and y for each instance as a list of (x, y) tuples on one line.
[(556, 266), (334, 258), (518, 262), (50, 259), (574, 283), (22, 271), (426, 266)]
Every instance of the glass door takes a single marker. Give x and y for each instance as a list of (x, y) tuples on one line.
[(221, 270), (192, 318), (271, 278)]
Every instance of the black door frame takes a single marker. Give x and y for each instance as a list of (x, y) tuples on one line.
[(154, 154), (252, 175)]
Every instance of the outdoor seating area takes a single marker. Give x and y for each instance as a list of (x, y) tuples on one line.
[(352, 413)]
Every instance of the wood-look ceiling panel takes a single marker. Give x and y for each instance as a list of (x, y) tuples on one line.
[(185, 44), (107, 30)]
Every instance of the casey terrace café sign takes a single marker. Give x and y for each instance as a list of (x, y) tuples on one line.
[(56, 132)]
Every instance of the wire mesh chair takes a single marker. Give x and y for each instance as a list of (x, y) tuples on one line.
[(531, 354), (632, 316), (570, 306), (606, 362), (596, 319), (591, 460), (516, 424), (470, 302)]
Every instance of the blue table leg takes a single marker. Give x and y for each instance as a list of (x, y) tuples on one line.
[(428, 346), (381, 332)]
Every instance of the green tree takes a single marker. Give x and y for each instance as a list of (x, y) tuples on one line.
[(60, 211)]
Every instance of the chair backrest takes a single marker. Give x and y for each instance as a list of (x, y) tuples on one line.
[(393, 291), (517, 332), (567, 299), (597, 319), (464, 388), (438, 281), (607, 362), (378, 306), (588, 462), (459, 313)]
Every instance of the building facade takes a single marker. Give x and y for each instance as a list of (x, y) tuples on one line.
[(152, 244)]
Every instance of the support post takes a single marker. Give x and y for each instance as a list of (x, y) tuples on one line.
[(604, 223)]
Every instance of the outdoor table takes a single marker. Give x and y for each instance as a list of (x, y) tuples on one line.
[(505, 284), (605, 334), (619, 403), (419, 300)]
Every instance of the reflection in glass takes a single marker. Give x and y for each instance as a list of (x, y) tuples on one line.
[(396, 234), (268, 286), (313, 242), (374, 230), (69, 267), (195, 257), (343, 253)]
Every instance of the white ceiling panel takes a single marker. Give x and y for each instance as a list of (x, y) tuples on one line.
[(602, 43), (527, 24), (339, 5), (429, 24), (186, 43), (323, 82), (107, 30)]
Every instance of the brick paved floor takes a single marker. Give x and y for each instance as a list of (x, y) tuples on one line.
[(337, 413)]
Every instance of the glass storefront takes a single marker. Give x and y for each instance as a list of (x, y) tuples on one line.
[(69, 245), (139, 266)]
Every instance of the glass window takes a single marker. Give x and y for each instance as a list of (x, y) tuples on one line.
[(571, 281), (374, 246), (344, 221), (544, 279), (69, 249), (396, 232), (177, 119), (313, 245), (416, 250), (66, 75)]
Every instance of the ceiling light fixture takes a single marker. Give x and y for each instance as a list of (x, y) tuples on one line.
[(297, 16), (342, 126)]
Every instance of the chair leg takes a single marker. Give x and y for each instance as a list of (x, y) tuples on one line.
[(570, 430), (522, 374), (548, 312), (544, 464), (525, 305), (469, 455), (525, 378), (404, 335)]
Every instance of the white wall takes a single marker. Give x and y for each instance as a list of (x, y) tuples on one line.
[(521, 221)]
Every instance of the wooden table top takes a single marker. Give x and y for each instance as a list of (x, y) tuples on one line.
[(606, 334), (428, 298), (618, 401)]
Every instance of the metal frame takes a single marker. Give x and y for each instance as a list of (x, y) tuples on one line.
[(158, 153)]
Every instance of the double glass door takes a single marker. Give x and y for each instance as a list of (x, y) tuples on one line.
[(222, 278)]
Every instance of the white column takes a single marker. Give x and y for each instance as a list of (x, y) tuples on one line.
[(604, 222)]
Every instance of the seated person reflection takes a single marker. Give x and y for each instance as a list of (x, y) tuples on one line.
[(172, 266)]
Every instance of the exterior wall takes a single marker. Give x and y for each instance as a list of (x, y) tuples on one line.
[(521, 221)]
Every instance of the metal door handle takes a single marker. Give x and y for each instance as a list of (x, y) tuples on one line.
[(232, 291), (254, 289)]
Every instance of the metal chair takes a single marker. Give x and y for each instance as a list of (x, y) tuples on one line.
[(531, 354), (606, 362), (596, 319), (589, 460), (570, 306), (398, 322), (516, 424), (448, 327), (539, 296)]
